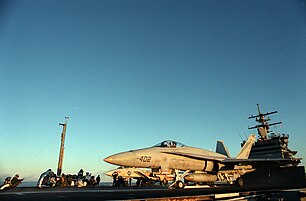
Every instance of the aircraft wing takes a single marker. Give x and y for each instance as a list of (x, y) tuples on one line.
[(141, 174), (260, 162), (231, 162), (198, 156)]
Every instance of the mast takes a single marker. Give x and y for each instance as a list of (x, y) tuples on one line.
[(263, 126), (271, 146), (62, 147)]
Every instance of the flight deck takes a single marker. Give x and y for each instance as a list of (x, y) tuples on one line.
[(153, 193)]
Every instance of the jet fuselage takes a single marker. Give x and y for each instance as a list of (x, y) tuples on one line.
[(167, 158)]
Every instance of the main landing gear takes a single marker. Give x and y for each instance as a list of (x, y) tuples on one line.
[(178, 183)]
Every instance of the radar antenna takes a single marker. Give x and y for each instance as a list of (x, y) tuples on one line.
[(263, 126)]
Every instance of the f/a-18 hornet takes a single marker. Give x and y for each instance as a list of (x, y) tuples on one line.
[(189, 163)]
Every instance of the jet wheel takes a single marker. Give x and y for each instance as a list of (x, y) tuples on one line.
[(180, 184), (240, 182)]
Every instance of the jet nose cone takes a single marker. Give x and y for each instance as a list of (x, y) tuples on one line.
[(121, 159), (108, 159)]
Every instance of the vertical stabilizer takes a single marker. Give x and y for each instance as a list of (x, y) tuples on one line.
[(246, 149), (222, 149)]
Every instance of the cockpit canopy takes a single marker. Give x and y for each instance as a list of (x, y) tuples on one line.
[(170, 144)]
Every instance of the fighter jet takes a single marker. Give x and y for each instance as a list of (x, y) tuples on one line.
[(128, 172), (197, 165), (145, 176)]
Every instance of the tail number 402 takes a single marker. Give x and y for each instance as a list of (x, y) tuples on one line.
[(145, 159)]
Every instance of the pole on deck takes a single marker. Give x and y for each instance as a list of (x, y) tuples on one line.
[(61, 154)]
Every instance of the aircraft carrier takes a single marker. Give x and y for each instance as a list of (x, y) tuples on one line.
[(274, 147), (281, 181)]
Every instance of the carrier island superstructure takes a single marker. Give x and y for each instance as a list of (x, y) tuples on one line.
[(282, 167), (269, 144)]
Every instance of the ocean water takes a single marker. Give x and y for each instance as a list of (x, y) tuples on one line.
[(28, 184)]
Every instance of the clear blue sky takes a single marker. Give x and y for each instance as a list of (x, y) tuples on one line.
[(133, 73)]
